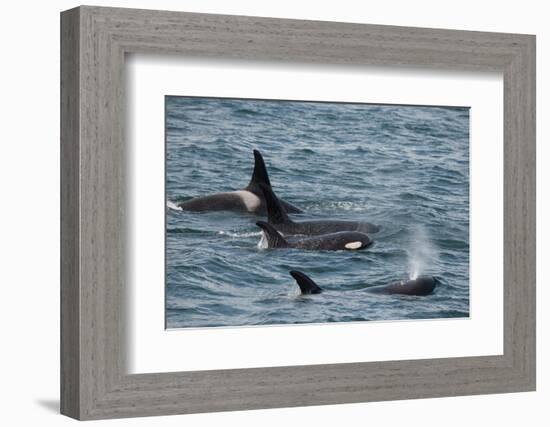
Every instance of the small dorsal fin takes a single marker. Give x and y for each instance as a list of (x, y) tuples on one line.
[(274, 238), (276, 213), (307, 286), (259, 175)]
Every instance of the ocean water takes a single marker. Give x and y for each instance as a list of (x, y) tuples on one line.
[(403, 167)]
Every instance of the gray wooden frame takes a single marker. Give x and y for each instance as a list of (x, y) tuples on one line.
[(94, 41)]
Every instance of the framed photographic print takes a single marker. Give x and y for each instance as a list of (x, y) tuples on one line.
[(262, 213)]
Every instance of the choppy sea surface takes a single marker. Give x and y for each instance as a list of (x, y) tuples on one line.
[(403, 167)]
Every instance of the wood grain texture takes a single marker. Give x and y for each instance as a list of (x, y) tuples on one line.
[(94, 381), (70, 221)]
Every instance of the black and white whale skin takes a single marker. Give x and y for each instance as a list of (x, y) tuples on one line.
[(421, 286), (277, 216), (343, 240), (249, 199)]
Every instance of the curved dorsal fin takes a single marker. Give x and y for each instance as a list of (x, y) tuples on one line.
[(307, 286), (274, 238), (276, 213), (259, 175)]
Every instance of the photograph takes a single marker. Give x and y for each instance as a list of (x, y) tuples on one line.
[(298, 212)]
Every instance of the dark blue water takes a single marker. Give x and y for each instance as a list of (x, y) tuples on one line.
[(404, 167)]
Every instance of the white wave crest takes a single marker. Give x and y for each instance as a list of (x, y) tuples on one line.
[(172, 205), (343, 206), (231, 234), (262, 244)]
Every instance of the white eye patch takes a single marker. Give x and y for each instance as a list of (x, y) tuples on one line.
[(353, 245)]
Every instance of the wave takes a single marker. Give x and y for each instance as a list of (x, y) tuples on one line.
[(232, 234), (187, 230), (262, 244), (173, 206), (331, 207), (247, 112)]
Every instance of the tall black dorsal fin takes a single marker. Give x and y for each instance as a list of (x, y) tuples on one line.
[(307, 286), (259, 175), (274, 238), (276, 213)]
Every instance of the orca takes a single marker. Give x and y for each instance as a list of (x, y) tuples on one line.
[(278, 217), (343, 240), (421, 286), (249, 199)]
